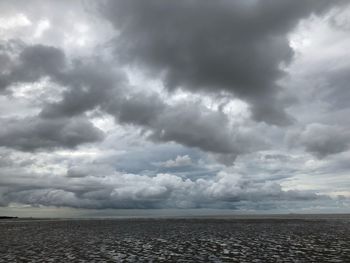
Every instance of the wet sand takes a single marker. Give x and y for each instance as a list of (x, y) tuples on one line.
[(225, 239)]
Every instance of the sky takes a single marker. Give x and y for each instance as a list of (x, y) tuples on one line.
[(190, 104)]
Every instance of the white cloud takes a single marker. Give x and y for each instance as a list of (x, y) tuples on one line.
[(179, 161), (42, 26), (18, 20)]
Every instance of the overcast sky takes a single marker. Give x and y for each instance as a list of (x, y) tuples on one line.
[(240, 105)]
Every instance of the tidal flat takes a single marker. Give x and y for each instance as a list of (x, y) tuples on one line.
[(308, 239)]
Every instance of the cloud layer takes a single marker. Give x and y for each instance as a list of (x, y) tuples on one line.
[(239, 46), (175, 104), (87, 88)]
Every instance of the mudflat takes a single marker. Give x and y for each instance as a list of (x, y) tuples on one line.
[(308, 239)]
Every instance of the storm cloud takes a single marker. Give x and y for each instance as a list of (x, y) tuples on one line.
[(34, 133), (322, 140), (175, 104), (87, 87), (234, 46)]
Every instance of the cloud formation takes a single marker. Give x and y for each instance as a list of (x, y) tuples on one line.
[(174, 104), (322, 140), (33, 133), (237, 46), (32, 63), (135, 191), (179, 161), (87, 87)]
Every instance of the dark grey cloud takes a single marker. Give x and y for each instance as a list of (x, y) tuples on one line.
[(279, 157), (338, 94), (5, 61), (189, 124), (31, 64), (33, 133), (37, 61), (235, 46), (64, 128), (137, 109), (89, 84), (323, 140)]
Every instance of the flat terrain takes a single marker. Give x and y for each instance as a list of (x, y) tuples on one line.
[(176, 240)]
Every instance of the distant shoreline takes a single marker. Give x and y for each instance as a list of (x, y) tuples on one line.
[(8, 217), (249, 217)]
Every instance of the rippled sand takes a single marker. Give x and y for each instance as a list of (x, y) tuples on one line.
[(176, 240)]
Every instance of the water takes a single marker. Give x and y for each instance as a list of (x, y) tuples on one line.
[(228, 239)]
